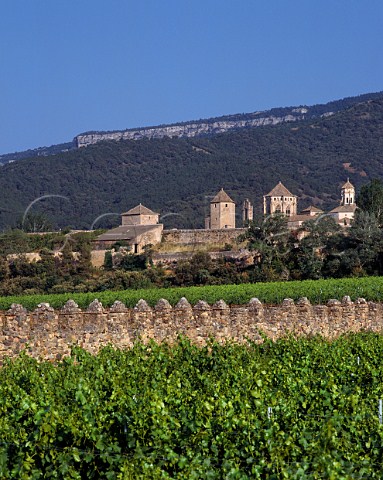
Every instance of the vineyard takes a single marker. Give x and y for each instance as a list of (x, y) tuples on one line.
[(317, 291), (293, 409)]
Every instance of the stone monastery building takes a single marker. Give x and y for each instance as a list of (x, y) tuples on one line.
[(140, 226)]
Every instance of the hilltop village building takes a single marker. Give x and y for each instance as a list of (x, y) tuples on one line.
[(140, 226)]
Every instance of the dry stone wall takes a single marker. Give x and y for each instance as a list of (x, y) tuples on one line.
[(49, 334)]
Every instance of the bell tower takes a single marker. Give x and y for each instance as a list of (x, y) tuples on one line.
[(348, 194)]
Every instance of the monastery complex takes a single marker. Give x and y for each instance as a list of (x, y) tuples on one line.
[(140, 226)]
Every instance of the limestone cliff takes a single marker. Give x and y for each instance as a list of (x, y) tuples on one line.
[(216, 125), (187, 130)]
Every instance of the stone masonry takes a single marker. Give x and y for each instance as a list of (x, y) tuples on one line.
[(49, 334)]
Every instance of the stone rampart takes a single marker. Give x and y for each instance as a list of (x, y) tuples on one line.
[(201, 236), (174, 258), (49, 334)]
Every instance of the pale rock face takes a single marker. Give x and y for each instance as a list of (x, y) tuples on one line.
[(187, 130)]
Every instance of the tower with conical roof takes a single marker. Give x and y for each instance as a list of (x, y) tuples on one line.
[(280, 200), (222, 212)]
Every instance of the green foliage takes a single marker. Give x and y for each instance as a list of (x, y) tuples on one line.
[(36, 222), (318, 291), (108, 260), (269, 238), (370, 199), (178, 175), (291, 409)]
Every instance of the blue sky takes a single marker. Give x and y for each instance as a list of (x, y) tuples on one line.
[(69, 66)]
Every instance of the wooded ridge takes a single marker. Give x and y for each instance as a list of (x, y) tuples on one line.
[(179, 175)]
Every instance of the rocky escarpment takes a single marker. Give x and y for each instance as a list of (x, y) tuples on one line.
[(223, 124), (188, 130)]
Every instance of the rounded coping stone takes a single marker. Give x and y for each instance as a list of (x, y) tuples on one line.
[(163, 304), (303, 301), (288, 302), (183, 304), (372, 304), (255, 303), (361, 301), (333, 302), (142, 306), (221, 305), (118, 307), (95, 307), (70, 306), (346, 299), (17, 309), (44, 307), (202, 305)]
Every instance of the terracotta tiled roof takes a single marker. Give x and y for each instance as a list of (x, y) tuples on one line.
[(344, 209), (126, 232), (140, 210), (222, 197), (299, 218), (280, 191), (312, 208)]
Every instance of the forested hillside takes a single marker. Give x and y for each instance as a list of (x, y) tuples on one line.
[(305, 111), (179, 176)]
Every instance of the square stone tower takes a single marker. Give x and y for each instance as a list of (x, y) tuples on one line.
[(222, 212), (140, 215)]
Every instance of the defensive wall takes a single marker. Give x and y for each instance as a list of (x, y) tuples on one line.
[(174, 258), (49, 334), (201, 236)]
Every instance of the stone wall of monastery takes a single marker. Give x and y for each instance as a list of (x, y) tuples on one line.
[(202, 236), (49, 334)]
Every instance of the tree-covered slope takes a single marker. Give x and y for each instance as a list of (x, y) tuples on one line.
[(179, 176), (278, 114)]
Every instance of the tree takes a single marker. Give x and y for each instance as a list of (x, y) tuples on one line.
[(270, 238), (370, 199), (36, 222), (366, 239), (307, 257)]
